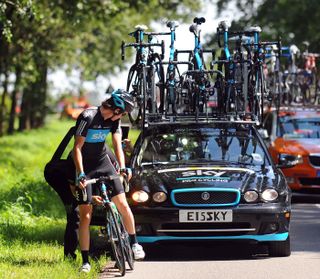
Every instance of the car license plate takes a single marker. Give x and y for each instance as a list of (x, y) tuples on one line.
[(205, 216)]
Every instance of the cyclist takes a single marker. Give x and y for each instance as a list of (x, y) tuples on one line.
[(89, 155)]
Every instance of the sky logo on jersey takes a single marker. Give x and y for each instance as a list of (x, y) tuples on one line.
[(95, 135)]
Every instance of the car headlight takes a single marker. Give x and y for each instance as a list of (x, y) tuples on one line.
[(140, 196), (250, 196), (269, 195), (159, 197), (290, 159)]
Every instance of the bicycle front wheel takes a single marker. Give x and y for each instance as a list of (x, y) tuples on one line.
[(126, 245), (135, 88), (115, 239)]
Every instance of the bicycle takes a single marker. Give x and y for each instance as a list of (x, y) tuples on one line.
[(258, 90), (256, 79), (141, 81), (233, 89), (310, 85), (117, 236), (171, 84), (274, 75), (196, 78), (292, 78)]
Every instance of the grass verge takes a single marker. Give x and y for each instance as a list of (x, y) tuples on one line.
[(32, 217)]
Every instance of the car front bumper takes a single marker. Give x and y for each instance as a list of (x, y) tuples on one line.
[(303, 177), (260, 223)]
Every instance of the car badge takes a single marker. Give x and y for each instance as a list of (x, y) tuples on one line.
[(205, 196)]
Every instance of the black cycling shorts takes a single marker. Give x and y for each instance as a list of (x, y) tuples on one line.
[(95, 169)]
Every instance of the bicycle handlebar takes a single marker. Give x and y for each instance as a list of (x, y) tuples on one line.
[(229, 61), (189, 51), (157, 33), (124, 46), (102, 179), (312, 54), (191, 72), (184, 51), (177, 62)]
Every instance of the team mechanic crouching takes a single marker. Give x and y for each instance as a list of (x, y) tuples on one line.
[(89, 155)]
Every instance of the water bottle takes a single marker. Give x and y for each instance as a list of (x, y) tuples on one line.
[(104, 192)]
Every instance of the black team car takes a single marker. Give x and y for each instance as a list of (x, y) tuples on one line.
[(208, 182)]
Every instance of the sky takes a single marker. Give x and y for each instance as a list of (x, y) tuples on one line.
[(61, 83)]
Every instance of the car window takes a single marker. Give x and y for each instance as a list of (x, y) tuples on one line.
[(202, 145), (291, 128)]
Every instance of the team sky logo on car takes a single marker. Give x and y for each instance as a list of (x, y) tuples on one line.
[(206, 174), (203, 175), (97, 135)]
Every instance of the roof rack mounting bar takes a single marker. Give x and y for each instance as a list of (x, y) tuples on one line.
[(210, 121)]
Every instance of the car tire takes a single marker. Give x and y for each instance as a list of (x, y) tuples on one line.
[(280, 248)]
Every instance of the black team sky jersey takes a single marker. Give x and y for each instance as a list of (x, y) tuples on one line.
[(91, 125)]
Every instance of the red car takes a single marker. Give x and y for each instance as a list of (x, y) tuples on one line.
[(72, 108), (294, 141)]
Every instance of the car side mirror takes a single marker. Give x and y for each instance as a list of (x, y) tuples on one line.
[(288, 161)]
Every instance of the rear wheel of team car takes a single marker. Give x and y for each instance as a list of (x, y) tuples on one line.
[(280, 248)]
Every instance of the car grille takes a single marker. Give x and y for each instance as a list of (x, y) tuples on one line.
[(309, 181), (198, 230), (205, 197), (315, 160)]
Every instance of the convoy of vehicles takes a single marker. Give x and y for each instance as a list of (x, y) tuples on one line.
[(201, 170)]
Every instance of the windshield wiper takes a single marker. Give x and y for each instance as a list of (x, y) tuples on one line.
[(201, 161), (242, 163), (154, 163)]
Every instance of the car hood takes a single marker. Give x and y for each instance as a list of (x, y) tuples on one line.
[(242, 178), (298, 146)]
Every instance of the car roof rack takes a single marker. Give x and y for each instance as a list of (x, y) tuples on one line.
[(158, 119), (298, 107)]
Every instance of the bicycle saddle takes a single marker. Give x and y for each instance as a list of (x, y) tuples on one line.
[(294, 49), (172, 24), (194, 28), (141, 27), (199, 20), (306, 43), (224, 24), (253, 29)]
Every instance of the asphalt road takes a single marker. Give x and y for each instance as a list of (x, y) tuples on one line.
[(225, 261)]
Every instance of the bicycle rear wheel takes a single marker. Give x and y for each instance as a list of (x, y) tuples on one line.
[(156, 84), (115, 238)]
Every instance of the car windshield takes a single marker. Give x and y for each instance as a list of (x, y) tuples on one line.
[(292, 128), (201, 145)]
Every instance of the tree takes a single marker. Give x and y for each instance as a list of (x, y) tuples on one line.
[(43, 35), (294, 20)]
